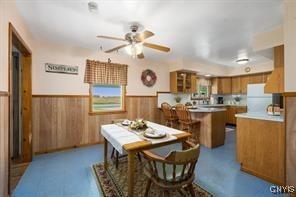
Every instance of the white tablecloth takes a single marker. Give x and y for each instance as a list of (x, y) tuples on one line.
[(119, 136)]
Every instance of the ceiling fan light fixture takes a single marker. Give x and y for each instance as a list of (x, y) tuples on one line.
[(242, 61), (92, 6), (134, 49)]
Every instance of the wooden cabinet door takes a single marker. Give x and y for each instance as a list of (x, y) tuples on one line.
[(244, 84), (215, 85), (193, 84), (235, 85), (241, 110), (173, 82), (225, 85), (233, 118), (257, 78)]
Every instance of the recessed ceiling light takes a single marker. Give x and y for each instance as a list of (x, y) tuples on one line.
[(208, 75), (92, 6), (242, 61)]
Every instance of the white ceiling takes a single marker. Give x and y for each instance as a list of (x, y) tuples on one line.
[(215, 31)]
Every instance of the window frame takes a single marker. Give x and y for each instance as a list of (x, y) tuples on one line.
[(123, 100), (199, 97)]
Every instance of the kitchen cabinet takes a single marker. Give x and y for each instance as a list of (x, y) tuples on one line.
[(232, 110), (182, 82), (256, 78), (244, 84), (235, 85), (221, 85), (260, 146)]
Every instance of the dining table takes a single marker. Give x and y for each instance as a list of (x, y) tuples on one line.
[(124, 139)]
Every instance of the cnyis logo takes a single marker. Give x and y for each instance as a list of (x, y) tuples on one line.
[(282, 189)]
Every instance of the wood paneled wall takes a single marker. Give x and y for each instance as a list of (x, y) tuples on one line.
[(63, 121), (3, 144), (291, 140)]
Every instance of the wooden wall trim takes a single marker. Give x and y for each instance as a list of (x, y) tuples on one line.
[(67, 148), (59, 96), (64, 122), (289, 94), (80, 96), (4, 93), (141, 95)]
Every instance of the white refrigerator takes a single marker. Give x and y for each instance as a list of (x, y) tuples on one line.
[(257, 100)]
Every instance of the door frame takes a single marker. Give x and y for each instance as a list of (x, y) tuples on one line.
[(15, 39)]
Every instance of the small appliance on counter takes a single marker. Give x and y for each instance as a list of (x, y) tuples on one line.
[(220, 100), (274, 110)]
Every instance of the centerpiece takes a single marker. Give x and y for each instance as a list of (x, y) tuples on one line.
[(138, 124)]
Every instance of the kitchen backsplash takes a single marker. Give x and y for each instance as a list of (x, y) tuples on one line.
[(228, 99)]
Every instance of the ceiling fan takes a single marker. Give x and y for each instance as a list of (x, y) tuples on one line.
[(135, 42)]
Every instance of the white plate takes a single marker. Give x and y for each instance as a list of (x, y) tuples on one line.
[(155, 134), (126, 122)]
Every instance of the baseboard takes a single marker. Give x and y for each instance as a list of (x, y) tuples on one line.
[(267, 178), (66, 148)]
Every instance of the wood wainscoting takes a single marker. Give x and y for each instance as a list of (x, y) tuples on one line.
[(290, 102), (63, 121), (4, 161)]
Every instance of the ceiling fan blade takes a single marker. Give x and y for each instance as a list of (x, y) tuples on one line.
[(116, 48), (111, 38), (141, 56), (157, 47), (144, 35)]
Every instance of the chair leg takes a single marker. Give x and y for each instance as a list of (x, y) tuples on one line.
[(147, 187), (139, 157), (112, 154), (116, 159), (165, 193), (191, 190)]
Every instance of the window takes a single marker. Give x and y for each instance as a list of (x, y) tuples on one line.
[(203, 91), (107, 98)]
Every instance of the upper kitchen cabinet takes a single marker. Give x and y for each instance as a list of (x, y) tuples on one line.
[(235, 85), (182, 82), (251, 79), (257, 78), (275, 83), (221, 85)]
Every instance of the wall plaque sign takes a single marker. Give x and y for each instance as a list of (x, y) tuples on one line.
[(59, 68)]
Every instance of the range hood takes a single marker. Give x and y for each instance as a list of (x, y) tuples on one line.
[(275, 83)]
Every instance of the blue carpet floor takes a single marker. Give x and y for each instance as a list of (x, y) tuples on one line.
[(68, 173)]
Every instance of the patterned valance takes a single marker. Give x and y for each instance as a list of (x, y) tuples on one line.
[(105, 73), (203, 82)]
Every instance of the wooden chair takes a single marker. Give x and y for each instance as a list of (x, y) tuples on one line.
[(186, 122), (115, 154), (173, 172), (170, 115)]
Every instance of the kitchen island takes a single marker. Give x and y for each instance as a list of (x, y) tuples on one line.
[(212, 125)]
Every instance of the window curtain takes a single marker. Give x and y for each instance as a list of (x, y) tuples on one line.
[(203, 82), (97, 72)]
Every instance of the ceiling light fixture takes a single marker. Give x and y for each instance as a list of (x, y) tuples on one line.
[(208, 75), (134, 49), (92, 6), (242, 61)]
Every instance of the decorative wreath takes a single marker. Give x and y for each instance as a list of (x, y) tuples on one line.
[(148, 78)]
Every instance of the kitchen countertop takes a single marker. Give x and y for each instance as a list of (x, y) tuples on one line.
[(260, 116), (206, 110), (221, 105)]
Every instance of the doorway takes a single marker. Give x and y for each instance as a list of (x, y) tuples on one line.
[(20, 103)]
